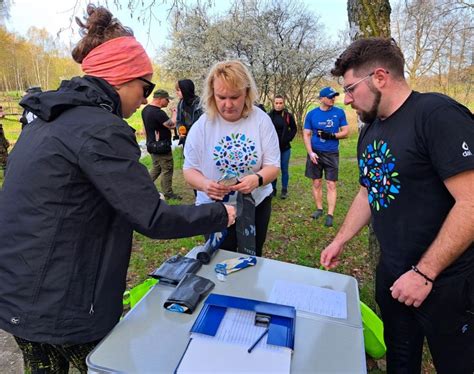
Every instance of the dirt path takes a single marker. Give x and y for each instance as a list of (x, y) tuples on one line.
[(11, 361)]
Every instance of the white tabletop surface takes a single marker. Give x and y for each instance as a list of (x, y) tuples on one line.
[(150, 339)]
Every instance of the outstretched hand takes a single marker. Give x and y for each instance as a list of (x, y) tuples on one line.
[(330, 255)]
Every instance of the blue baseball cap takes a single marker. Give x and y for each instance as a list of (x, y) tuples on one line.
[(328, 92)]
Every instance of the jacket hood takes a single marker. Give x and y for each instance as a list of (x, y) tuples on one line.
[(187, 89), (79, 91)]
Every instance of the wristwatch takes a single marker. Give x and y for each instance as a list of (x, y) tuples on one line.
[(260, 179)]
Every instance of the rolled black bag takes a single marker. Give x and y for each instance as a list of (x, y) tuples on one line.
[(173, 270), (188, 293), (210, 248)]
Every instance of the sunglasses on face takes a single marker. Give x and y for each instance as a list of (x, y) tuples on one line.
[(148, 89)]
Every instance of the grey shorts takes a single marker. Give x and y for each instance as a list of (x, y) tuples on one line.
[(327, 162)]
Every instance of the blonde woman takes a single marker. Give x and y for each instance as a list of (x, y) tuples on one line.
[(233, 138)]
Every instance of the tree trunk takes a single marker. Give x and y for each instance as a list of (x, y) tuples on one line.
[(369, 18)]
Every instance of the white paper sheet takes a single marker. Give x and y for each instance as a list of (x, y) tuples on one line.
[(310, 299), (210, 356)]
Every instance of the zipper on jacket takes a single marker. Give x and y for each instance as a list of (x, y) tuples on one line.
[(96, 277)]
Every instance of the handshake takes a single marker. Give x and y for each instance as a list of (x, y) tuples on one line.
[(326, 135)]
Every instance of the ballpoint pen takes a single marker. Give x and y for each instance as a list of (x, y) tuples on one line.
[(256, 342)]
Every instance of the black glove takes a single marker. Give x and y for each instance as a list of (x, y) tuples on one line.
[(326, 135)]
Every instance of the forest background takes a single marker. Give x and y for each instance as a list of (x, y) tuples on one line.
[(288, 51)]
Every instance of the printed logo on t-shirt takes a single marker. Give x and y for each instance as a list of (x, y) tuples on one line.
[(236, 153), (466, 151), (378, 174)]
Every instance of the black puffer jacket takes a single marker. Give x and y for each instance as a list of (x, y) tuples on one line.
[(73, 194)]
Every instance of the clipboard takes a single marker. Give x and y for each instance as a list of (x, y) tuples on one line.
[(281, 328), (229, 357)]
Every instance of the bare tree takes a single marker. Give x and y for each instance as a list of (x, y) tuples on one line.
[(281, 42), (437, 39)]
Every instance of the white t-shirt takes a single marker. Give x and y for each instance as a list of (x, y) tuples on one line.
[(244, 147)]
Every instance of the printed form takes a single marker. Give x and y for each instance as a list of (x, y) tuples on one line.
[(311, 299)]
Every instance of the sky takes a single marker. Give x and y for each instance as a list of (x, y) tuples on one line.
[(54, 15)]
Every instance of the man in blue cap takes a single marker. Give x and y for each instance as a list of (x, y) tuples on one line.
[(323, 127)]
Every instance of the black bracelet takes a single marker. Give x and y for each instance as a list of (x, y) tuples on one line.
[(427, 279)]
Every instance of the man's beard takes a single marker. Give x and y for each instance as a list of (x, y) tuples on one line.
[(371, 115)]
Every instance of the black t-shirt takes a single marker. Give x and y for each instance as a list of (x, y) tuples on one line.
[(153, 119), (403, 162)]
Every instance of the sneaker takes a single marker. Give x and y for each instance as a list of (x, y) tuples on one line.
[(329, 220), (173, 196), (284, 194), (318, 213)]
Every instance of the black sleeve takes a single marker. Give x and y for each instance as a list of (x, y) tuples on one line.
[(293, 129), (110, 159), (179, 113), (448, 137)]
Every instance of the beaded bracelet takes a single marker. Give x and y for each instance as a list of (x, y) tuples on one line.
[(427, 279)]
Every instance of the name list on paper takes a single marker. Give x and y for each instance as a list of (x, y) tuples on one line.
[(311, 299)]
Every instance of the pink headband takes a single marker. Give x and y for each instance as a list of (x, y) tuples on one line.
[(118, 61)]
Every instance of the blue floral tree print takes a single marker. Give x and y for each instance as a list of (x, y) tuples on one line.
[(236, 153), (378, 174)]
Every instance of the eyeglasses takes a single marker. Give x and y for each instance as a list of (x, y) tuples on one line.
[(348, 90), (148, 89)]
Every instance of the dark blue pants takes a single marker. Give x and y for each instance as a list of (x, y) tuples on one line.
[(284, 165), (445, 318)]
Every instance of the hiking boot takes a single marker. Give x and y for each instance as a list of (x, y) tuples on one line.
[(328, 222), (318, 213), (173, 196), (284, 194)]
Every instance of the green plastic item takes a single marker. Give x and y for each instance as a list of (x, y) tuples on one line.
[(373, 332), (135, 294)]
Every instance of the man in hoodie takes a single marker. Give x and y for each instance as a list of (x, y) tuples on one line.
[(189, 108)]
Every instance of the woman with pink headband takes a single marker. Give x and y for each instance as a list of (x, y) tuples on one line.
[(74, 191)]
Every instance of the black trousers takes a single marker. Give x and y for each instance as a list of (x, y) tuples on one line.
[(42, 358), (262, 218), (445, 318)]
